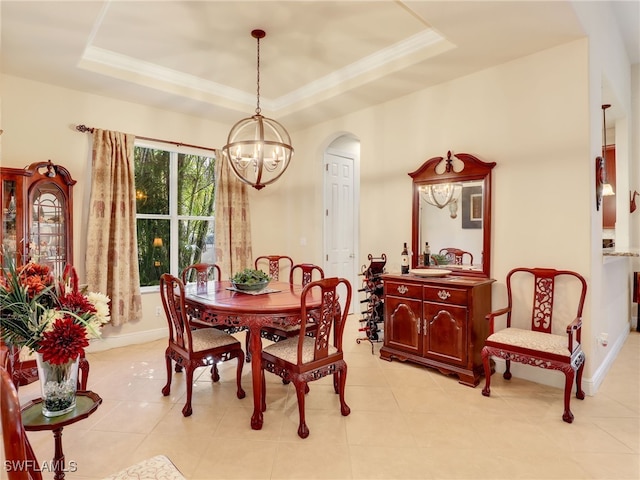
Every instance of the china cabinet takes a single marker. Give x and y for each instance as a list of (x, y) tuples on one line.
[(37, 208), (435, 314), (36, 225)]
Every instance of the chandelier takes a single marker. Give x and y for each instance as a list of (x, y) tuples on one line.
[(258, 148), (441, 194)]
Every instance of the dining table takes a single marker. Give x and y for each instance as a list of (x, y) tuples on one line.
[(220, 304)]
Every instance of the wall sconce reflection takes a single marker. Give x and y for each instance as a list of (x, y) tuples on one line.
[(453, 208)]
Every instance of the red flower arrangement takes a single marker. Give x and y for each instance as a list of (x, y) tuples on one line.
[(64, 342), (48, 316)]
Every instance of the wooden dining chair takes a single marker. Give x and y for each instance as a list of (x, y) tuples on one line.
[(203, 271), (275, 263), (193, 348), (303, 359), (456, 256), (197, 273), (300, 274)]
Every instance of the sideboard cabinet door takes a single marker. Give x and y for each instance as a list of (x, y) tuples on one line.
[(446, 333), (403, 328)]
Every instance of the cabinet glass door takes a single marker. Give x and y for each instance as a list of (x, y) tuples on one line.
[(9, 226), (47, 242)]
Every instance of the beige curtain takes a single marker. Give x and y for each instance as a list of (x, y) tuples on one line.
[(233, 230), (112, 246)]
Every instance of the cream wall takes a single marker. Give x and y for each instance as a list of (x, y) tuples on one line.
[(39, 123), (531, 116)]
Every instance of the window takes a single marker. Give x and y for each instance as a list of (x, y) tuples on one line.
[(174, 210)]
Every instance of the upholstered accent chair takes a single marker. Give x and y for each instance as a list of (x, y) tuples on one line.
[(552, 339)]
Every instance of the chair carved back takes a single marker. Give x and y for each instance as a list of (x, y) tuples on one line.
[(456, 256), (544, 292), (307, 271), (172, 294), (200, 273), (331, 319), (276, 263)]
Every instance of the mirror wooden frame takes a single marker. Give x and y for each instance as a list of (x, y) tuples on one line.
[(472, 169)]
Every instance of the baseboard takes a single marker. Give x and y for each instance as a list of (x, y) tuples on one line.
[(591, 385), (116, 341)]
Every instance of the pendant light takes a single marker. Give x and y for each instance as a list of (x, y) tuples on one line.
[(258, 148), (607, 189), (603, 189)]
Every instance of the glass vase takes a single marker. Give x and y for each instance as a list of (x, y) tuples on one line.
[(58, 384)]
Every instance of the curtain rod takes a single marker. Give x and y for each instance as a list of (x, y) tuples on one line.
[(84, 129)]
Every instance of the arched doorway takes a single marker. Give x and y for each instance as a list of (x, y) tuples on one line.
[(341, 165)]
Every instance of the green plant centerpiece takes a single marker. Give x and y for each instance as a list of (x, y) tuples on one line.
[(250, 280), (440, 259)]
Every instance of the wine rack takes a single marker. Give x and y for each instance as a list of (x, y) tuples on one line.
[(373, 312)]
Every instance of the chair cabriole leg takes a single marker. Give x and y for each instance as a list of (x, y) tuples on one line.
[(579, 391), (167, 388), (303, 430), (186, 411), (240, 393), (507, 372), (344, 408), (567, 416), (215, 375), (486, 356)]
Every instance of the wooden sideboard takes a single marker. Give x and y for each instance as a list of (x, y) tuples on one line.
[(437, 322)]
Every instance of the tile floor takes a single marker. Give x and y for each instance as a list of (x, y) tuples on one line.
[(406, 422)]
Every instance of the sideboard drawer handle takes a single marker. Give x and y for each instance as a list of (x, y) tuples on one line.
[(402, 289), (444, 294)]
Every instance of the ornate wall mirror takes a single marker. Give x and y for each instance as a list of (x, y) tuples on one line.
[(452, 213)]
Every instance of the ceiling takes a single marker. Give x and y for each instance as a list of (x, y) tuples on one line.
[(319, 59)]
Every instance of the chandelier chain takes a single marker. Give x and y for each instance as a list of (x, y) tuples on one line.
[(258, 110)]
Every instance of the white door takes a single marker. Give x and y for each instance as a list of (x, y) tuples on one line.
[(341, 219)]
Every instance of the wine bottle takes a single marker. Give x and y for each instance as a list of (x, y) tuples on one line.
[(404, 260), (427, 255)]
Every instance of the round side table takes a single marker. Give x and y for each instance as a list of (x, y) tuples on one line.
[(33, 420)]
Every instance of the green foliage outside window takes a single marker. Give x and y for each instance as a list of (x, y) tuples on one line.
[(174, 193)]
